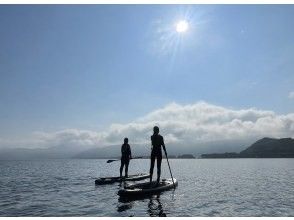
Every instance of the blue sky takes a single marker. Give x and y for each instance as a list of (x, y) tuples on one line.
[(87, 67)]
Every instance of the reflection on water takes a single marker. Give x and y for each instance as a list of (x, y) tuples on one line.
[(125, 206), (154, 209)]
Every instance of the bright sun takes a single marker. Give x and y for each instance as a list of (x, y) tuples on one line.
[(182, 26)]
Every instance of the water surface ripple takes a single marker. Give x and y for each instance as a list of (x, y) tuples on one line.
[(207, 187)]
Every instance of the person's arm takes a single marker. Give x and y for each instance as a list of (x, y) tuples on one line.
[(151, 143)]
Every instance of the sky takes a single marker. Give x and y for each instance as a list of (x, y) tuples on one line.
[(92, 74)]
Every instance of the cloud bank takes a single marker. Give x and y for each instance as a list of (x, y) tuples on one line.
[(195, 123)]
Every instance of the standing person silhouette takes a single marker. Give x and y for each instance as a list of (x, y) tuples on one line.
[(157, 142), (126, 155)]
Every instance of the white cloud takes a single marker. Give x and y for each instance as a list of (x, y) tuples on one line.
[(203, 122), (195, 123), (73, 138), (291, 95)]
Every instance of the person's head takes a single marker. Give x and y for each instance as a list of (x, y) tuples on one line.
[(126, 140), (156, 130)]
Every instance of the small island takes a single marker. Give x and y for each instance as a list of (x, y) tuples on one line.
[(186, 156), (219, 155), (183, 156)]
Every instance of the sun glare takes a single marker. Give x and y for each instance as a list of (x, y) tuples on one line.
[(182, 26)]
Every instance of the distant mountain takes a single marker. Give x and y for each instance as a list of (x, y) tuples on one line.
[(37, 153), (263, 148), (270, 147), (113, 151), (172, 149)]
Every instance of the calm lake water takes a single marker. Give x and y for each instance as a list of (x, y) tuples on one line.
[(207, 187)]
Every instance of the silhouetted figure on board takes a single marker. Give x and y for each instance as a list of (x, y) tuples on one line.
[(126, 155), (157, 142)]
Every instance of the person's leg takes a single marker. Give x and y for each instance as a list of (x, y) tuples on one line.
[(159, 159), (121, 167), (152, 166), (127, 168)]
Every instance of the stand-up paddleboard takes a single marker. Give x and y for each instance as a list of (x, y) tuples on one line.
[(109, 180), (142, 189)]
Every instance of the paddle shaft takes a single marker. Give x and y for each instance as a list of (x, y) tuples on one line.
[(170, 170), (110, 161)]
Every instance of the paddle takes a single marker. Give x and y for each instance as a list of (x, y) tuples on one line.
[(170, 170), (109, 161)]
